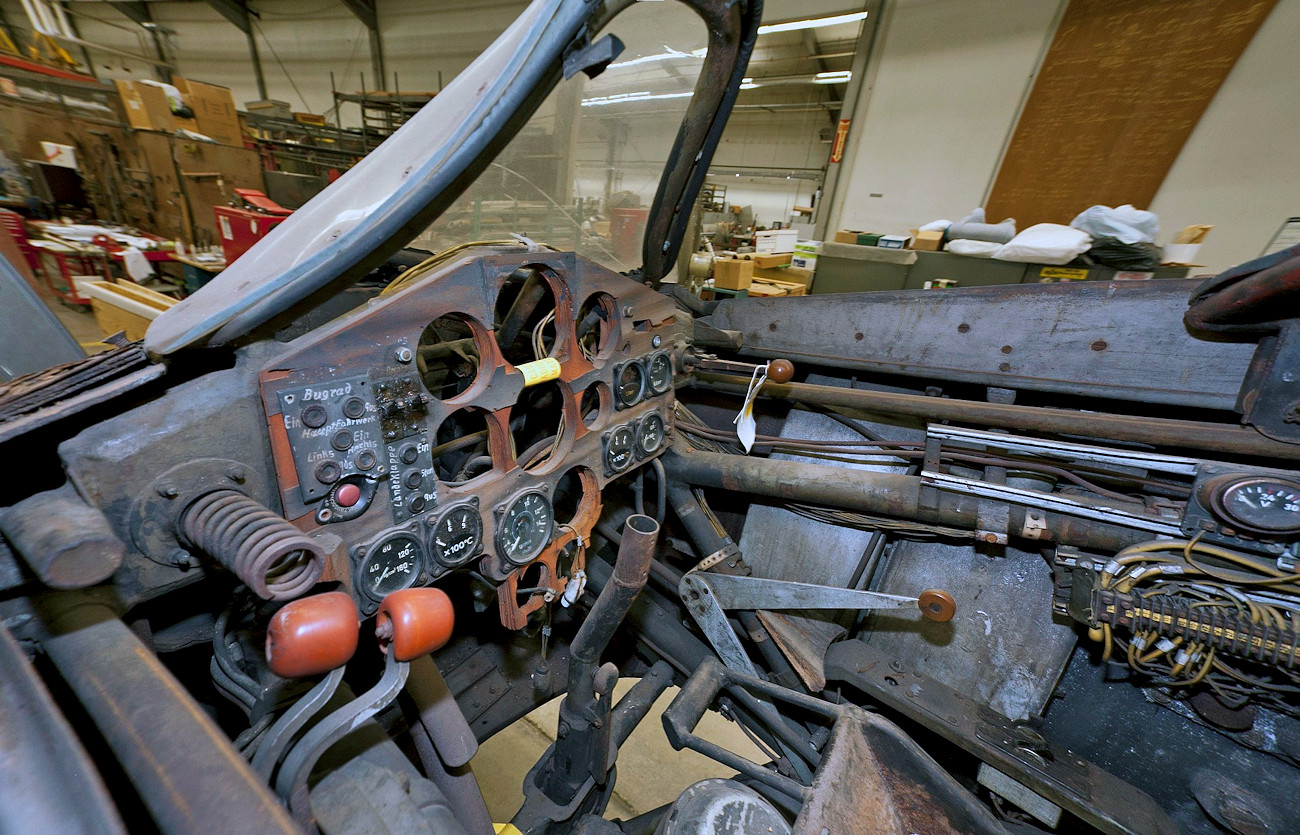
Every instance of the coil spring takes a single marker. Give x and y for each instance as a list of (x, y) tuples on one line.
[(275, 559), (1176, 618)]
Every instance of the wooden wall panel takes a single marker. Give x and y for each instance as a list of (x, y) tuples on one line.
[(1120, 90)]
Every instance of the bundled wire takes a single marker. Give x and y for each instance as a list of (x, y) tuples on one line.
[(1250, 602)]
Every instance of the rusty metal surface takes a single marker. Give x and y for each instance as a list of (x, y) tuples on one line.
[(1164, 432), (1251, 297), (1016, 749), (188, 776), (1002, 649), (67, 542), (1123, 340), (874, 780), (47, 781)]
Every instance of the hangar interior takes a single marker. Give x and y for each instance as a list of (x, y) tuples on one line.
[(650, 416)]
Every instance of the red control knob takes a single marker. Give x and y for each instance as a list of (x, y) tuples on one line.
[(780, 371), (312, 635), (414, 622), (937, 605)]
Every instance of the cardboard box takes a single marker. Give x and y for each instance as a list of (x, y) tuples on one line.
[(146, 105), (804, 262), (808, 248), (868, 239), (894, 241), (848, 236), (775, 240), (732, 274), (214, 110), (270, 107), (927, 240), (766, 260)]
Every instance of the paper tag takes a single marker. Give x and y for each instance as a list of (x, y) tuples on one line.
[(540, 371), (746, 427)]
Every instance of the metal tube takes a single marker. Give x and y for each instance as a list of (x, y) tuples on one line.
[(631, 568), (1187, 434), (884, 494), (187, 773)]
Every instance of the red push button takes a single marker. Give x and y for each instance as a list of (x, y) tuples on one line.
[(348, 495)]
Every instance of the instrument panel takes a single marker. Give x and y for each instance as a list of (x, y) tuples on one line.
[(471, 420)]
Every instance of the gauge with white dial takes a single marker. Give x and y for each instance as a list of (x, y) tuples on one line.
[(392, 565), (456, 536), (525, 528), (1268, 505)]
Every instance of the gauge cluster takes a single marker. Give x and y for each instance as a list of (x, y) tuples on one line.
[(1250, 508), (470, 422)]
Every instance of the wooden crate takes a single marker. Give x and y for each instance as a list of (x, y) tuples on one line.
[(769, 260), (125, 307), (773, 287)]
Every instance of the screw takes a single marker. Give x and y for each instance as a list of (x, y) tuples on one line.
[(167, 491), (404, 354), (236, 474), (627, 311), (657, 341), (181, 558)]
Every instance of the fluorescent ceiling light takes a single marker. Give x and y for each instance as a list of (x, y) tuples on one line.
[(832, 77), (622, 98), (811, 23), (659, 56)]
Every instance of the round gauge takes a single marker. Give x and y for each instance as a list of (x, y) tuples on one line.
[(457, 535), (630, 384), (392, 565), (618, 449), (660, 373), (650, 434), (525, 528), (1270, 505)]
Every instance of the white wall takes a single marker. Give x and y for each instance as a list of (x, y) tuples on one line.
[(1240, 169), (950, 78), (928, 133)]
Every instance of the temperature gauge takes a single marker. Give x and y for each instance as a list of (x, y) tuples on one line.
[(1266, 505), (525, 528), (457, 535), (650, 435), (618, 449), (392, 565)]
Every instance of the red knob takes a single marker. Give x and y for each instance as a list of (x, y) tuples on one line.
[(312, 636), (780, 371), (414, 622), (937, 605)]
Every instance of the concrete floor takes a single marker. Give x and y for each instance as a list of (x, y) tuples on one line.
[(650, 772)]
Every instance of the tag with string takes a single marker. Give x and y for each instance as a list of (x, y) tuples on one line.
[(746, 427)]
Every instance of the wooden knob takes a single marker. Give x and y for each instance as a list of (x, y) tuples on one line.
[(414, 622), (780, 371), (313, 635), (937, 605)]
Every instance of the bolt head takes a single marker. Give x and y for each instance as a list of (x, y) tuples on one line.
[(404, 355), (657, 341), (168, 491), (237, 474)]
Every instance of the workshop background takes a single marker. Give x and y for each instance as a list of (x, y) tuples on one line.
[(145, 145)]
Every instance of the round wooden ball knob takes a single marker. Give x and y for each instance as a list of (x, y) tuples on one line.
[(937, 605), (313, 635), (780, 371), (414, 622)]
